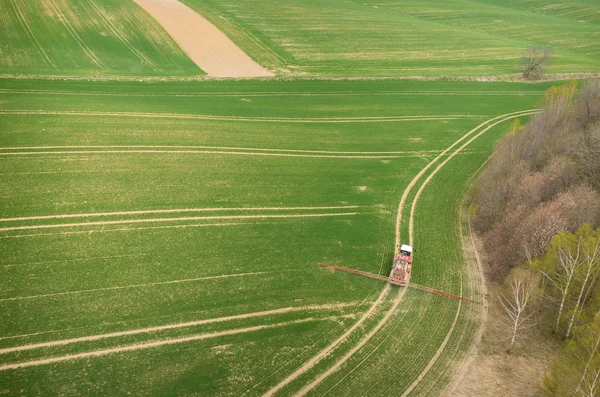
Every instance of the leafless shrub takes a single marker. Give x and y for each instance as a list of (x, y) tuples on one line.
[(535, 60), (588, 103)]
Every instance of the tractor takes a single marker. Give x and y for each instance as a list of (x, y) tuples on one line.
[(400, 273)]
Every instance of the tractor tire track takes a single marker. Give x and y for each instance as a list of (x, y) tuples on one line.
[(402, 292), (63, 19), (173, 326), (247, 149), (159, 343), (170, 211), (179, 219), (119, 287), (374, 119), (84, 152), (451, 330), (30, 32)]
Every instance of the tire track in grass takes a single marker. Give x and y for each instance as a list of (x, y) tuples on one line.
[(84, 291), (374, 119), (160, 343), (420, 152), (402, 292), (23, 20), (175, 210), (120, 35), (63, 19), (178, 219), (157, 328), (439, 351), (131, 229), (84, 152), (451, 330), (274, 94)]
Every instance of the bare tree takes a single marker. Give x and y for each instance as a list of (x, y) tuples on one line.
[(591, 258), (535, 60), (559, 268), (589, 382), (517, 303)]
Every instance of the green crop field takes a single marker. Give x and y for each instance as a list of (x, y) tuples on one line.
[(161, 232), (86, 38), (373, 38), (137, 214)]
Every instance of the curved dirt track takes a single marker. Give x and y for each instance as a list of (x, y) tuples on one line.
[(386, 289), (202, 41)]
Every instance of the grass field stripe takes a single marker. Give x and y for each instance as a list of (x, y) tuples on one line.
[(64, 20), (174, 326), (119, 35), (68, 152), (186, 280), (419, 152), (439, 351), (179, 219), (130, 229), (159, 343), (377, 119), (29, 31), (176, 210), (274, 94), (400, 296)]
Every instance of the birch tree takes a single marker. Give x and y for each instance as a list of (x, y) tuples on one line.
[(558, 267), (517, 303), (589, 245)]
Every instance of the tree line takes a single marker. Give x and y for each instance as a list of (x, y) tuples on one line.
[(536, 209)]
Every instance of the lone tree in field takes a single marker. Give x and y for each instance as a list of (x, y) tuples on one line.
[(535, 60)]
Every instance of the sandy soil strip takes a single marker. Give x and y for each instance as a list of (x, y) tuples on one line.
[(402, 292), (180, 219), (186, 280), (375, 119), (420, 152), (438, 352), (169, 211), (202, 41), (160, 343), (174, 326)]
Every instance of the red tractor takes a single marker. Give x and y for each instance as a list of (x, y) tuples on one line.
[(400, 273)]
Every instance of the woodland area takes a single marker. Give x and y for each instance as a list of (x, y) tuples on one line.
[(536, 210)]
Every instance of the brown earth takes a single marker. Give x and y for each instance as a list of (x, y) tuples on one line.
[(202, 41)]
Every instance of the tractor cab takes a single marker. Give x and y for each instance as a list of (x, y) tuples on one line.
[(402, 265), (406, 250)]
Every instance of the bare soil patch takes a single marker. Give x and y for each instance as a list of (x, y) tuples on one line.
[(202, 41)]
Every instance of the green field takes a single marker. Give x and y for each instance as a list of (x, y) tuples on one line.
[(134, 205), (86, 38), (160, 236), (373, 38)]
